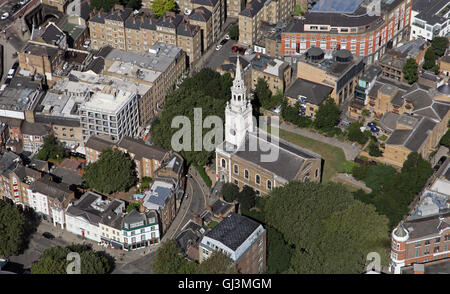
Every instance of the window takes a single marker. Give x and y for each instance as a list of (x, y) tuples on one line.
[(246, 174), (447, 238), (436, 249), (437, 240), (224, 164), (317, 172), (418, 244), (236, 169), (258, 179), (269, 184), (427, 242)]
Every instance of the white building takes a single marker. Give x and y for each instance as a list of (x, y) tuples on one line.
[(110, 111), (140, 230), (83, 217), (430, 19)]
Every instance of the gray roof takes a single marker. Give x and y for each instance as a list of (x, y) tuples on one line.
[(233, 230), (219, 206), (35, 129), (98, 143), (68, 176), (252, 8), (57, 120), (428, 10), (190, 234), (8, 161), (291, 157), (200, 14), (52, 34), (140, 149), (96, 65), (134, 217), (433, 267), (413, 139), (211, 3), (315, 93), (46, 186), (427, 226)]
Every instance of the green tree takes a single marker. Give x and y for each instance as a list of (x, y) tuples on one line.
[(445, 140), (373, 149), (377, 175), (113, 171), (169, 260), (52, 149), (247, 198), (54, 260), (410, 70), (429, 60), (133, 205), (230, 192), (207, 90), (329, 231), (439, 45), (217, 263), (12, 228), (355, 134), (234, 31), (327, 115), (278, 252), (160, 7), (359, 172), (264, 95), (107, 5)]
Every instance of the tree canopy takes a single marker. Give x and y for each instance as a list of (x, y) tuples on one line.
[(54, 260), (246, 198), (327, 115), (439, 45), (217, 263), (108, 4), (430, 61), (113, 171), (355, 134), (445, 140), (329, 231), (12, 228), (207, 90), (234, 31), (169, 260), (263, 94), (292, 114), (51, 149), (410, 70), (230, 192), (160, 7), (377, 175)]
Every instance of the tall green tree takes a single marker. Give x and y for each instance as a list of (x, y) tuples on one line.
[(377, 175), (52, 149), (230, 192), (207, 90), (12, 228), (217, 263), (439, 45), (330, 231), (445, 140), (410, 70), (278, 252), (429, 60), (169, 260), (114, 171), (373, 149), (327, 115), (355, 134), (54, 260), (263, 94), (160, 7), (234, 31), (247, 198)]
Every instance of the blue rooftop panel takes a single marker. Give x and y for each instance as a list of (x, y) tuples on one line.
[(337, 6)]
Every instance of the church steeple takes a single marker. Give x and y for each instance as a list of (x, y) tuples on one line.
[(238, 113)]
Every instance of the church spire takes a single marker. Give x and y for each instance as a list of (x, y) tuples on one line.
[(238, 69)]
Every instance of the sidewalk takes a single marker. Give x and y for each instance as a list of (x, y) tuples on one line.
[(350, 151)]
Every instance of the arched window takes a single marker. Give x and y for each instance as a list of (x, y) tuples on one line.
[(258, 179), (236, 169), (224, 163), (317, 172), (269, 184), (246, 174)]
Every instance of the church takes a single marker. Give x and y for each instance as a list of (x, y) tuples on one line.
[(249, 156)]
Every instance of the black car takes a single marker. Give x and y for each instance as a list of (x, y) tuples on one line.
[(442, 159), (436, 167), (223, 42), (48, 235), (15, 8), (15, 66)]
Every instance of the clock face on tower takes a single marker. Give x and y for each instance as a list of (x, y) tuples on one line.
[(233, 132)]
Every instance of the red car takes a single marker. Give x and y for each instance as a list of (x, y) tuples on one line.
[(234, 48), (241, 51)]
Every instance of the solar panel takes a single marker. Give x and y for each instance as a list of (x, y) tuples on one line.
[(336, 6)]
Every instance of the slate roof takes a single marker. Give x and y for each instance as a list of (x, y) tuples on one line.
[(315, 93), (144, 21), (428, 10), (133, 217), (427, 226), (252, 8), (35, 129), (45, 186), (292, 157), (51, 34), (412, 139), (219, 207), (98, 143), (57, 120), (96, 65), (211, 3), (200, 14), (68, 176), (186, 29), (233, 230), (140, 149)]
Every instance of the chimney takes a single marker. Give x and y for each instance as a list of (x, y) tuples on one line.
[(209, 208), (197, 219), (118, 7), (418, 269)]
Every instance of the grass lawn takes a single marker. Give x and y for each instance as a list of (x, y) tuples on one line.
[(333, 157)]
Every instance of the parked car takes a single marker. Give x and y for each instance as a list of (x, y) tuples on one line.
[(249, 51), (241, 51), (23, 2), (223, 42), (218, 47), (15, 8), (8, 81), (436, 167), (234, 48), (12, 71), (5, 15), (48, 235), (227, 36), (442, 159), (3, 87)]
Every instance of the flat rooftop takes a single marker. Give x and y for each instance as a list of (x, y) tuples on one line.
[(21, 94), (131, 70), (157, 195), (109, 100)]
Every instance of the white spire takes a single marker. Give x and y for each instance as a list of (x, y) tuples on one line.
[(238, 69)]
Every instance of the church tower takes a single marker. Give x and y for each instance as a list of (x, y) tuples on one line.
[(238, 112)]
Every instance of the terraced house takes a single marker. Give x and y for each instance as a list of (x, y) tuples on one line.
[(122, 30)]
